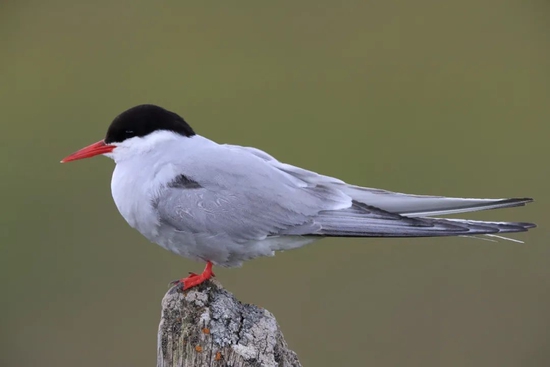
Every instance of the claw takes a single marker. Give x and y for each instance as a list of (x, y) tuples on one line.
[(194, 279)]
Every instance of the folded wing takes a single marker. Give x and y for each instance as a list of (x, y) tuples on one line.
[(376, 212)]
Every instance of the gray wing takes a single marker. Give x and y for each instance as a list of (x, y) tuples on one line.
[(239, 215), (393, 202), (245, 194), (236, 194)]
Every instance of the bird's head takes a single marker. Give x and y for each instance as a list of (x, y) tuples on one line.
[(137, 130)]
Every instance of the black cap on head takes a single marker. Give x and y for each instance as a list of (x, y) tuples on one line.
[(144, 119)]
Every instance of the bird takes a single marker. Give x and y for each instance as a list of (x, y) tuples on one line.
[(224, 204)]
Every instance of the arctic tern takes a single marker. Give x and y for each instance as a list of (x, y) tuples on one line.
[(224, 204)]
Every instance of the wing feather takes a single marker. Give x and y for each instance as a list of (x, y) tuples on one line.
[(394, 202), (261, 197)]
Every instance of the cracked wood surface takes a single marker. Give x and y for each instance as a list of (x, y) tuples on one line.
[(208, 326)]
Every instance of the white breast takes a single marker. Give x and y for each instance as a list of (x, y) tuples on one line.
[(132, 185)]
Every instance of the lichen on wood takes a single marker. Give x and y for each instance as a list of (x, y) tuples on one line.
[(208, 326)]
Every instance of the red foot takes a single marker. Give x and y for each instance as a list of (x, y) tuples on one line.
[(195, 279)]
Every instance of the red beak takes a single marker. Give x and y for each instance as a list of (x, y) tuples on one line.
[(91, 150)]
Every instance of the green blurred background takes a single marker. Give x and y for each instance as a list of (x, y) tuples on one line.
[(438, 97)]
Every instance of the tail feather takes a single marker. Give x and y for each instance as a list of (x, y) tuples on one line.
[(428, 227), (503, 227), (366, 221)]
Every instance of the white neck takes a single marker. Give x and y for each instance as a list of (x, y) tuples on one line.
[(138, 146)]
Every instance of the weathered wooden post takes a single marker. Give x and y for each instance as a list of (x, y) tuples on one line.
[(208, 326)]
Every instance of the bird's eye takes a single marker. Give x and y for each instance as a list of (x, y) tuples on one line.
[(129, 132)]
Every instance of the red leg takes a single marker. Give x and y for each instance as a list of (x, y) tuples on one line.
[(195, 279)]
